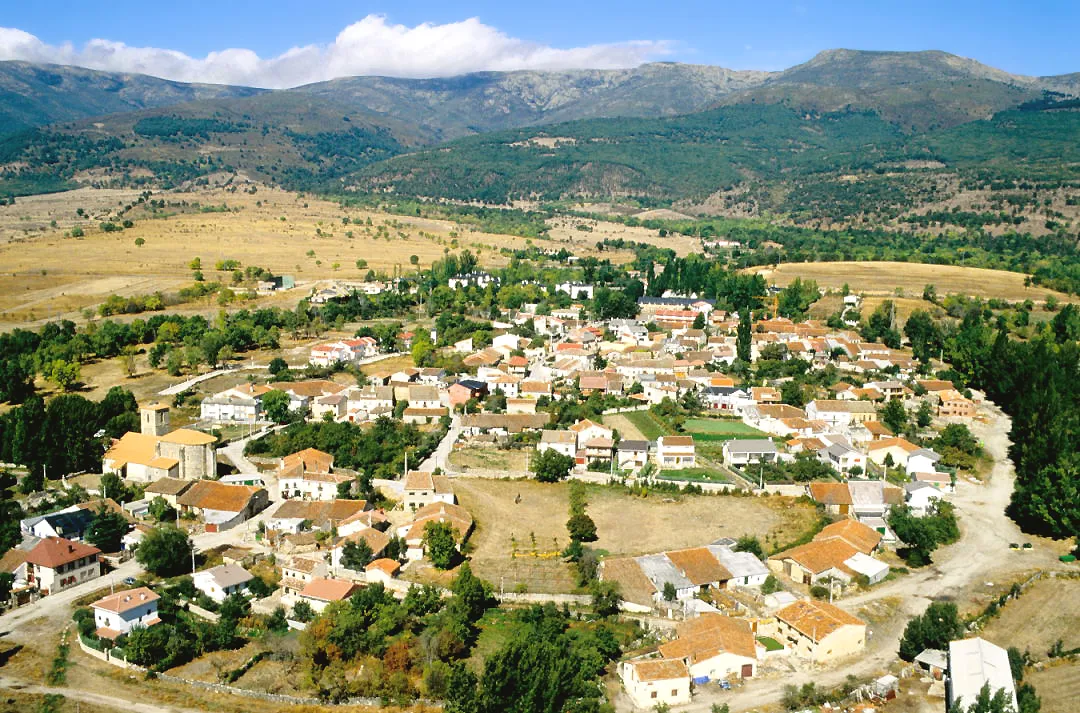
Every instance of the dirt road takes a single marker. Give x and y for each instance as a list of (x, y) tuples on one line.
[(981, 556)]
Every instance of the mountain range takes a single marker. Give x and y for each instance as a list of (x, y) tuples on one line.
[(662, 131)]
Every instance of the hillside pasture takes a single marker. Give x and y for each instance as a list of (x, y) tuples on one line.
[(45, 275), (885, 278)]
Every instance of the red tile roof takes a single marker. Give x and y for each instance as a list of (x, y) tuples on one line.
[(55, 551)]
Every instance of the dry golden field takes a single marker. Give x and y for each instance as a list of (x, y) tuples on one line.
[(1058, 686), (625, 525), (884, 278), (1046, 612), (44, 275)]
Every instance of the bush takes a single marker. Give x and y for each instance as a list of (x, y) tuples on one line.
[(819, 592)]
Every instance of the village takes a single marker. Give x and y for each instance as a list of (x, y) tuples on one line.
[(862, 435)]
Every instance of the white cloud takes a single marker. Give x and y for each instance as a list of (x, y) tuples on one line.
[(371, 46)]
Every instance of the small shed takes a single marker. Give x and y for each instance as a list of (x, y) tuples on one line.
[(886, 687), (933, 661)]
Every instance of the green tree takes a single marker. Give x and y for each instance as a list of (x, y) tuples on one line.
[(916, 532), (894, 415), (277, 365), (986, 702), (581, 528), (751, 544), (742, 337), (670, 592), (933, 629), (276, 405), (356, 555), (165, 551), (160, 509), (606, 598), (106, 530), (440, 544), (925, 415), (64, 373), (552, 466)]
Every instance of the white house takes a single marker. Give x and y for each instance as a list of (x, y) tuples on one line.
[(240, 403), (56, 564), (752, 450), (920, 497), (121, 612), (650, 683), (564, 442), (421, 488), (923, 460), (222, 581), (586, 430), (842, 458), (675, 452), (576, 290)]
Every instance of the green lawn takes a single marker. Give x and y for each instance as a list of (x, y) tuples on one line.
[(645, 422), (769, 643), (694, 475), (713, 429)]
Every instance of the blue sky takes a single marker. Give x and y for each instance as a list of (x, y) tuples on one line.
[(1028, 38)]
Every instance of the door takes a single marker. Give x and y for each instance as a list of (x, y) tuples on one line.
[(748, 670)]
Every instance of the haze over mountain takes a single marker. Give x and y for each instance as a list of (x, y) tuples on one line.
[(659, 132), (37, 94), (911, 89)]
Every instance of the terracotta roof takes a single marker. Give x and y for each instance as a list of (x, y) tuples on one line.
[(862, 537), (586, 423), (681, 441), (830, 493), (12, 559), (458, 518), (819, 556), (55, 551), (383, 564), (306, 565), (133, 447), (126, 600), (877, 428), (633, 584), (328, 590), (212, 495), (660, 669), (319, 511), (376, 539), (311, 389), (710, 635), (699, 566), (816, 619), (168, 486), (188, 437), (163, 463), (310, 459), (901, 443), (780, 411)]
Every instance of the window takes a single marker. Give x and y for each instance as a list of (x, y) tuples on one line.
[(652, 695), (674, 692)]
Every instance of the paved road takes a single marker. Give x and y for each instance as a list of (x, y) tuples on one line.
[(441, 457)]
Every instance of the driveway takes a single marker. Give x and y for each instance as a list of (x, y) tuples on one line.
[(441, 457)]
